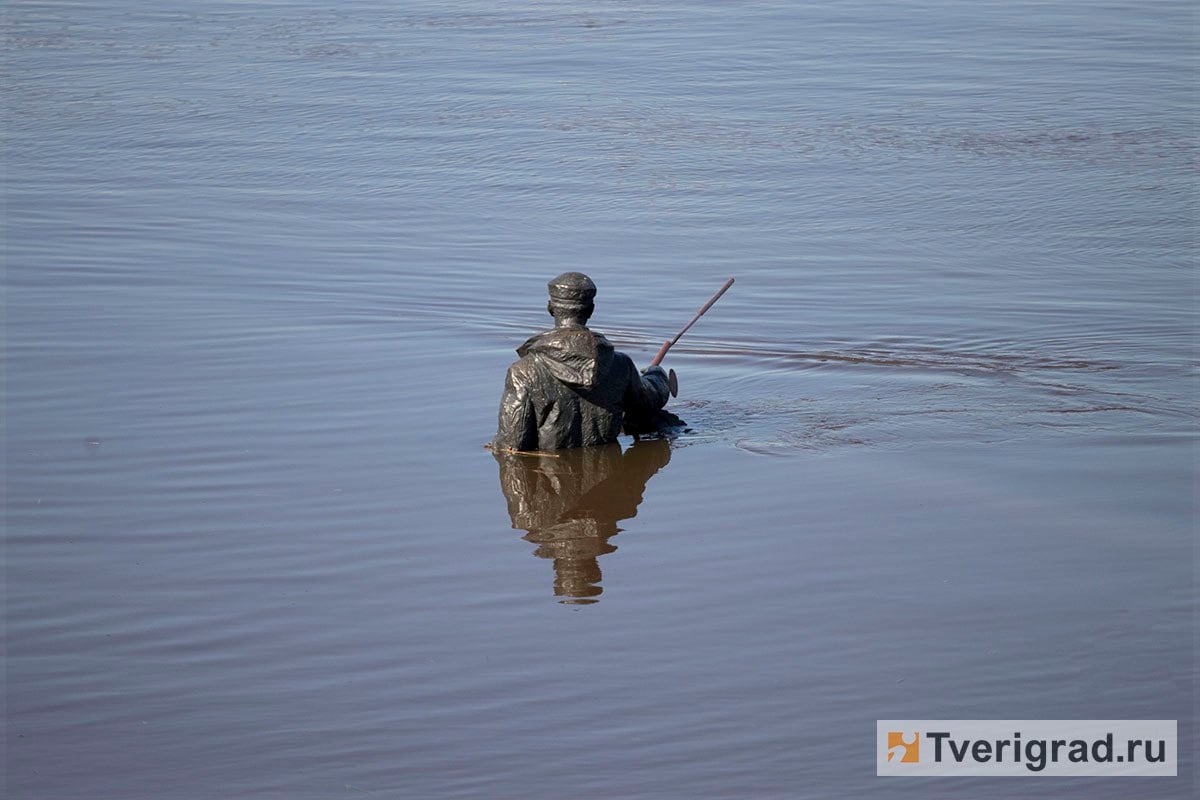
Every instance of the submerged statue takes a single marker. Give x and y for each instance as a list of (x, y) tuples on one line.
[(570, 505), (571, 388)]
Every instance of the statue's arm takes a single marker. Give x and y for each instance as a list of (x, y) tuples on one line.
[(517, 428), (647, 391)]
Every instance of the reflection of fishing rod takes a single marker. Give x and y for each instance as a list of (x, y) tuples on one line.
[(662, 351)]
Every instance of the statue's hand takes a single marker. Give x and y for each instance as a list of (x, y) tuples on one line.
[(665, 381)]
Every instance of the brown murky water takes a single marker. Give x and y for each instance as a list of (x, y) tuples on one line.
[(266, 265)]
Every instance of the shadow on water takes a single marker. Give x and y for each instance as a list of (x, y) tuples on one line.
[(570, 503)]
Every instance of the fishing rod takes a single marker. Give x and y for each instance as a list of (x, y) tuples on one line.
[(672, 381)]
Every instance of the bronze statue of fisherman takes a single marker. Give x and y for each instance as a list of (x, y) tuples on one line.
[(571, 388)]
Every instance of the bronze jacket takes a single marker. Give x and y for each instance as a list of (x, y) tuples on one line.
[(571, 388)]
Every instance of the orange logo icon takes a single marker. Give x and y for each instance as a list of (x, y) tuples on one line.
[(904, 747)]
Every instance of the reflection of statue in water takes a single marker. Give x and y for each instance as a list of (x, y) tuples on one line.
[(571, 503)]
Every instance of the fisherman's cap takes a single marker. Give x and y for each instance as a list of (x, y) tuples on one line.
[(572, 286)]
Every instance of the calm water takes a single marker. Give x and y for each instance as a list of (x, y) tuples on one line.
[(266, 263)]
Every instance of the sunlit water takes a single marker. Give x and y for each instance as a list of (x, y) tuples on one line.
[(266, 264)]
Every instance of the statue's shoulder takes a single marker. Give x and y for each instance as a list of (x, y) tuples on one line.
[(533, 343), (601, 340), (563, 340)]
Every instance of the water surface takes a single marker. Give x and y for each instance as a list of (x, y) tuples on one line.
[(266, 264)]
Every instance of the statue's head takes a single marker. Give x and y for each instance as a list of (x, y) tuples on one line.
[(571, 298)]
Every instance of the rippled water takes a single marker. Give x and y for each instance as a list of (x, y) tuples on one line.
[(266, 264)]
